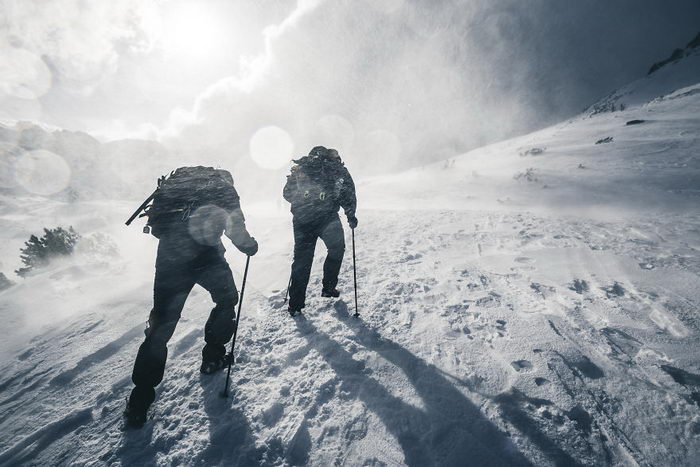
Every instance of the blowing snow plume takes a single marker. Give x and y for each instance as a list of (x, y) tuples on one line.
[(396, 86), (531, 301), (390, 85)]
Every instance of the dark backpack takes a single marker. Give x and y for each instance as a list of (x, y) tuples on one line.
[(318, 183), (320, 173), (183, 191)]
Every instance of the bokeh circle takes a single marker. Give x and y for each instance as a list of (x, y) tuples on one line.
[(271, 147), (42, 172)]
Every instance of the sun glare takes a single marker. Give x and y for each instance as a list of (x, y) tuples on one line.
[(193, 31)]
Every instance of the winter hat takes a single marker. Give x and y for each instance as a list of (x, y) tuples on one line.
[(318, 151)]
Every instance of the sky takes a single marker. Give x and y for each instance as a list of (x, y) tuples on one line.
[(390, 83)]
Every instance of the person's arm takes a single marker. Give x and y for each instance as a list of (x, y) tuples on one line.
[(235, 228), (348, 198), (238, 234)]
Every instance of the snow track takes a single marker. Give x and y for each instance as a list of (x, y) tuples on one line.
[(535, 302), (459, 354)]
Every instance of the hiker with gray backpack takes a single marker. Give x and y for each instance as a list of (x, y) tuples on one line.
[(317, 187), (189, 212)]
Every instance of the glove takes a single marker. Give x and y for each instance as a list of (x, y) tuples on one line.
[(352, 221), (251, 248)]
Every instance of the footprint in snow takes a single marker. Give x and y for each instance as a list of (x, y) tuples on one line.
[(277, 299), (521, 365), (579, 286), (491, 300), (541, 289), (615, 290), (414, 257)]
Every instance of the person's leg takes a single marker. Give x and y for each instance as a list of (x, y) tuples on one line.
[(305, 237), (215, 276), (334, 238), (172, 284)]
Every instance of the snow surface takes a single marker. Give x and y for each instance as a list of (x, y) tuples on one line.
[(531, 302)]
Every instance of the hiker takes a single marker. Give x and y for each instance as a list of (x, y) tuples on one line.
[(191, 209), (317, 187)]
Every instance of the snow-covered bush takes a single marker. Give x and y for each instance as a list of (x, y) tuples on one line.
[(38, 252), (532, 152), (97, 248), (529, 175)]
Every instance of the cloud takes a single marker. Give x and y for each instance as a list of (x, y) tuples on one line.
[(399, 83), (379, 83), (389, 84), (73, 42)]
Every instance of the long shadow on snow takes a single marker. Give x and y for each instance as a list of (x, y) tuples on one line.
[(448, 409), (230, 436), (98, 356), (137, 448), (450, 431)]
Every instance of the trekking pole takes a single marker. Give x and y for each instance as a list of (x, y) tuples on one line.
[(235, 328), (286, 296), (354, 272)]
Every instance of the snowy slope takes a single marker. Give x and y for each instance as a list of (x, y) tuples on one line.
[(531, 302)]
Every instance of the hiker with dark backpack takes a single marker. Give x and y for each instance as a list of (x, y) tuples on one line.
[(317, 187), (190, 211)]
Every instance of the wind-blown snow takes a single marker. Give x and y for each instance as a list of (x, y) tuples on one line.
[(531, 302)]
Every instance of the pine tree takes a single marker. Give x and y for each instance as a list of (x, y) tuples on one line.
[(37, 252)]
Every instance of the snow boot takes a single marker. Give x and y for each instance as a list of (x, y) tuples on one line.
[(330, 293), (212, 366), (136, 410), (294, 311)]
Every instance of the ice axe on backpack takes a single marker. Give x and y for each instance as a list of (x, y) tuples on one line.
[(141, 208), (145, 203)]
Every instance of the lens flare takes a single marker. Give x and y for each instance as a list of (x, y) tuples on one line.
[(23, 74), (206, 224), (42, 172), (271, 148)]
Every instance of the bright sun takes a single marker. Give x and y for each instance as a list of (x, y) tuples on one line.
[(193, 31)]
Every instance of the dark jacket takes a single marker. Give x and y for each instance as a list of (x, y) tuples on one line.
[(318, 187)]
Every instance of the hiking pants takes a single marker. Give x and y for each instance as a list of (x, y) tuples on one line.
[(330, 230), (177, 271)]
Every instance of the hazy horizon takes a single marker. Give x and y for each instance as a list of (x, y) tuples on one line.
[(391, 84)]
